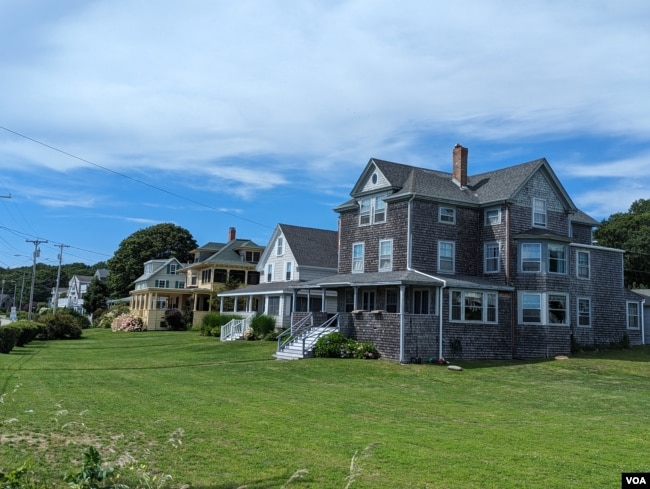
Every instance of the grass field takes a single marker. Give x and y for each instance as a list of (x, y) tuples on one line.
[(225, 415)]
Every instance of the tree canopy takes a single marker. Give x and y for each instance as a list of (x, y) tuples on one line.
[(155, 242), (630, 231)]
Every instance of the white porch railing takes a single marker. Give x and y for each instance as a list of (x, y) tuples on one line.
[(234, 329), (305, 334)]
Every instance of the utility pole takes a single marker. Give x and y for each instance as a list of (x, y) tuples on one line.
[(31, 292), (22, 293), (58, 278)]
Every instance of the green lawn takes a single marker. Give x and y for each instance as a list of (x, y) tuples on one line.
[(225, 415)]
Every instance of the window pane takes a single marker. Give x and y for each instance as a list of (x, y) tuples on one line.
[(584, 312), (539, 212), (583, 264), (531, 257), (492, 308), (380, 210), (473, 306), (531, 308), (492, 257), (557, 309), (556, 258), (456, 306)]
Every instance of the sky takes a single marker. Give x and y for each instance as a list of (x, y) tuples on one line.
[(118, 115)]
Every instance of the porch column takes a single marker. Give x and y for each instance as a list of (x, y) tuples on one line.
[(402, 301), (308, 300), (250, 302), (266, 304), (324, 300), (221, 305), (235, 301), (356, 298), (294, 296)]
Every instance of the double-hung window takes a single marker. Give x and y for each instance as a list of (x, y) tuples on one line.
[(269, 272), (539, 213), (421, 301), (492, 216), (584, 312), (288, 271), (544, 308), (372, 210), (473, 306), (633, 318), (385, 255), (583, 270), (531, 257), (279, 250), (556, 258), (446, 256), (447, 215), (392, 300), (492, 259), (357, 257)]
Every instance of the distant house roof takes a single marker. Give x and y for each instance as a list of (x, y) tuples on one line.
[(227, 253), (312, 247), (158, 265)]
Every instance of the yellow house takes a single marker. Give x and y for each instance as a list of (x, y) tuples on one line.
[(215, 265), (158, 289)]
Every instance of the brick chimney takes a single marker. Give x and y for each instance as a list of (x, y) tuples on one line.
[(460, 165), (232, 232)]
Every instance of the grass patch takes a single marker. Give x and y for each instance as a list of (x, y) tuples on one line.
[(224, 415)]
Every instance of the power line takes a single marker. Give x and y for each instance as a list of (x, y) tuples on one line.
[(128, 177)]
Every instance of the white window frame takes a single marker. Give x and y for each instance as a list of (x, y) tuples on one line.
[(368, 299), (545, 310), (636, 324), (447, 215), (279, 246), (582, 314), (392, 305), (420, 307), (535, 259), (487, 258), (269, 273), (579, 266), (445, 258), (540, 213), (561, 262), (385, 255), (492, 220), (373, 210), (288, 271), (458, 310), (358, 259)]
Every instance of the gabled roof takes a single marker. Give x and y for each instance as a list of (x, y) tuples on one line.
[(161, 264), (482, 189), (227, 253), (312, 247)]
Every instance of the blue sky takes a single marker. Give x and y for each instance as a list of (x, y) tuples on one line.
[(118, 115)]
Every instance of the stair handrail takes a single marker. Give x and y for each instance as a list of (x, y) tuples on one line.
[(325, 325), (288, 335), (235, 327)]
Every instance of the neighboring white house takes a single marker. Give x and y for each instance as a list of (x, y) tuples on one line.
[(293, 255), (73, 297)]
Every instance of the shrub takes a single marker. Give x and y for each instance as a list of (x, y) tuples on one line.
[(212, 322), (8, 337), (174, 319), (60, 326), (106, 320), (262, 325), (28, 331), (127, 322), (333, 345)]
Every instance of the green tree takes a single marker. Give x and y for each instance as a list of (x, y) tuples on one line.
[(630, 231), (155, 242), (95, 296)]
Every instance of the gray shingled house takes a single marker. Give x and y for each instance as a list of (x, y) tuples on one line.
[(495, 265), (293, 255)]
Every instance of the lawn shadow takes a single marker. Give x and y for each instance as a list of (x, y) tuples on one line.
[(262, 483)]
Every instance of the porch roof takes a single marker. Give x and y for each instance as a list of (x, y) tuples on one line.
[(263, 289), (403, 277)]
